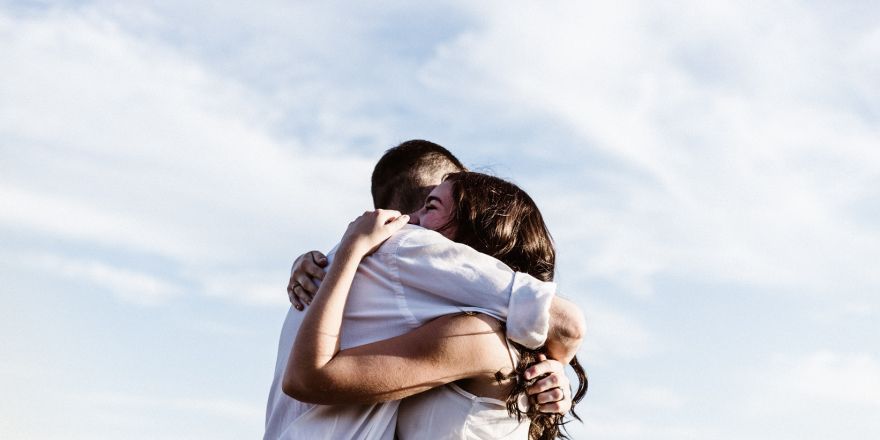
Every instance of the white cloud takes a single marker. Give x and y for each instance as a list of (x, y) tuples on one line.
[(815, 395), (214, 407), (250, 288), (831, 377), (213, 327), (739, 140), (127, 285), (720, 142), (192, 148), (844, 313), (651, 396), (141, 416), (610, 426), (613, 335), (116, 141), (66, 217)]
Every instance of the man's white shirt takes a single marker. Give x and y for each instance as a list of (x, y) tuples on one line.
[(415, 276)]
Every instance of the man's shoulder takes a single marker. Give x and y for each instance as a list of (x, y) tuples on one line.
[(412, 235)]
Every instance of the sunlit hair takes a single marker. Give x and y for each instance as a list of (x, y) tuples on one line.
[(499, 219)]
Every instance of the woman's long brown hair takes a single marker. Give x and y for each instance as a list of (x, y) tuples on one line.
[(499, 219)]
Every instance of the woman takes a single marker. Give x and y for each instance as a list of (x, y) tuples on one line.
[(468, 352)]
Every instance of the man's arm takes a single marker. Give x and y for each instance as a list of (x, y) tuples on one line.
[(435, 270), (567, 330)]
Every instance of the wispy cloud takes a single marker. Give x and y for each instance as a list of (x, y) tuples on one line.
[(652, 396), (215, 407), (250, 288), (742, 142), (128, 144), (183, 154), (127, 285), (836, 392), (615, 427), (614, 335), (827, 378)]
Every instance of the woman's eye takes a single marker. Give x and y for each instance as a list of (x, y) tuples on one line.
[(429, 207)]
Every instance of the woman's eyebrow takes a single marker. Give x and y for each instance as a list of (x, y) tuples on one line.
[(432, 199)]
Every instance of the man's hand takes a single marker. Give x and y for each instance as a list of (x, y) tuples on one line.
[(306, 269), (552, 392)]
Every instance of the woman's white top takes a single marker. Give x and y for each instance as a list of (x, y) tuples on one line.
[(451, 413)]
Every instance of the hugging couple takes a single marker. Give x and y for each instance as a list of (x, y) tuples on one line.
[(442, 323)]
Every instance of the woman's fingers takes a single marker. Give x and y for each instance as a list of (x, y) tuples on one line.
[(382, 224), (543, 367), (367, 232), (551, 390), (394, 224), (550, 396), (553, 380), (551, 374), (560, 407)]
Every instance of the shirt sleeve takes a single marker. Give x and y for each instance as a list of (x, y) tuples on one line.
[(429, 264)]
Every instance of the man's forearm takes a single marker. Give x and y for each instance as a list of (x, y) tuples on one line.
[(567, 329)]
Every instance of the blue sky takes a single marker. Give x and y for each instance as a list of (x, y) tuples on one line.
[(710, 172)]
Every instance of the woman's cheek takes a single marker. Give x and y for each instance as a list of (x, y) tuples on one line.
[(427, 221)]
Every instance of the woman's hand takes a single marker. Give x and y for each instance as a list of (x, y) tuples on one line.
[(367, 232), (552, 393)]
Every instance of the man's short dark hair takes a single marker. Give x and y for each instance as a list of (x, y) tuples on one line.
[(400, 178)]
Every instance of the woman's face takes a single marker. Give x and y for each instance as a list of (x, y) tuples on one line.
[(437, 211)]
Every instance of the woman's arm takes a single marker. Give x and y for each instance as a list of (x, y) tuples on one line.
[(444, 350), (318, 338), (433, 355)]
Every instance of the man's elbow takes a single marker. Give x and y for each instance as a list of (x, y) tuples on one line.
[(577, 328), (567, 321)]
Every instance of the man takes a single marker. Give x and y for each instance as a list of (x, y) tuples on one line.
[(401, 181)]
